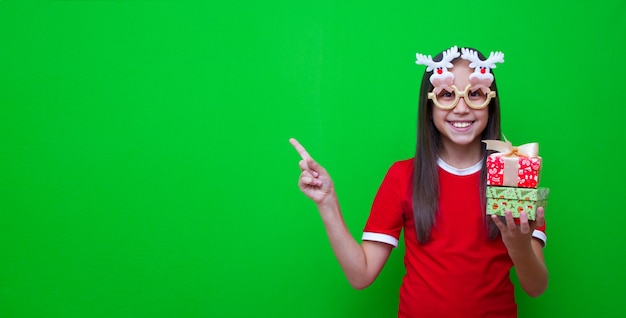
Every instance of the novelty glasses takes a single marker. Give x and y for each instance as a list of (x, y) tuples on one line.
[(475, 98)]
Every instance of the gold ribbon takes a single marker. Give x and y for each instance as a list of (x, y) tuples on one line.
[(511, 155), (506, 149)]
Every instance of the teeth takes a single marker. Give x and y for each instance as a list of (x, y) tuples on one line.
[(461, 124)]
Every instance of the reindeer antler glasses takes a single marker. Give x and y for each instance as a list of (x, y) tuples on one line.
[(477, 94), (476, 98)]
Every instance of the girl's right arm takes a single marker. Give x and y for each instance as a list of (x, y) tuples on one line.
[(361, 263)]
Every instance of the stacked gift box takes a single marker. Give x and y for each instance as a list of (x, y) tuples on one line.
[(513, 179)]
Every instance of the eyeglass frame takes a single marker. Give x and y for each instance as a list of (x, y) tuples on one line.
[(457, 97)]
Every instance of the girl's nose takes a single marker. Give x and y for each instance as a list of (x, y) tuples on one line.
[(461, 107)]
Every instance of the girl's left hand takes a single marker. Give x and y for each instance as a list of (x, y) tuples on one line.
[(517, 237)]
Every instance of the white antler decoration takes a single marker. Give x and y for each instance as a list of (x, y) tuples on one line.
[(449, 55), (497, 57), (425, 60)]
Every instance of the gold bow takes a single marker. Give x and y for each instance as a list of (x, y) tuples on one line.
[(506, 149)]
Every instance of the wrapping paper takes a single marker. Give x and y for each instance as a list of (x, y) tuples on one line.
[(513, 172), (517, 200), (513, 166)]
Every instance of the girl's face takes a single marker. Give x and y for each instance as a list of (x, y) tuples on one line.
[(461, 125)]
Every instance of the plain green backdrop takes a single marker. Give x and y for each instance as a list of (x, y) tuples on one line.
[(145, 169)]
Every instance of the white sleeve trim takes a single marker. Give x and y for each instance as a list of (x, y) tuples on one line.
[(378, 237), (540, 235)]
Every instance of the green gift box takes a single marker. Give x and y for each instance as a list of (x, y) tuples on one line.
[(517, 200)]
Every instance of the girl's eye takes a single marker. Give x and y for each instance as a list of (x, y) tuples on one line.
[(446, 95), (476, 94)]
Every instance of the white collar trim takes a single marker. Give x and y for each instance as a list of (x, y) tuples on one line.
[(460, 172)]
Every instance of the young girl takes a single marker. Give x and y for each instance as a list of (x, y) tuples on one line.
[(457, 258)]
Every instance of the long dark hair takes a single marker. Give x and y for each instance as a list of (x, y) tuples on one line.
[(425, 176)]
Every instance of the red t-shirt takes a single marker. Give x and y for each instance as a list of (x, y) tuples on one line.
[(460, 272)]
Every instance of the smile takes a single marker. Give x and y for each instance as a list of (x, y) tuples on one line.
[(461, 124)]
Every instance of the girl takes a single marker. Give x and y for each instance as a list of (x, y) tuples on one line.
[(457, 259)]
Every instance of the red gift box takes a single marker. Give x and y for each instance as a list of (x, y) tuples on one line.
[(513, 166)]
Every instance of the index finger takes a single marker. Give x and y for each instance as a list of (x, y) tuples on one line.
[(303, 153), (540, 217)]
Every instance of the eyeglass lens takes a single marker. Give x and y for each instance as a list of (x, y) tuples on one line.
[(473, 97)]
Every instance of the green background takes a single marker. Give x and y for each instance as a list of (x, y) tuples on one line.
[(145, 169)]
